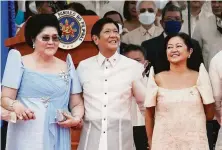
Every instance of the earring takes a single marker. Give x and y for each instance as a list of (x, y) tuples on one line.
[(33, 46), (189, 56)]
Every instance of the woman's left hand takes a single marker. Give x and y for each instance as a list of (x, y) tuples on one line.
[(70, 121)]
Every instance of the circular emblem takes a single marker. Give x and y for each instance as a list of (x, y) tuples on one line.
[(73, 29)]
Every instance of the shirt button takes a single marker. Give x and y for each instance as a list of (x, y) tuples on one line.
[(104, 105), (105, 79), (104, 119), (104, 132), (106, 67), (105, 93)]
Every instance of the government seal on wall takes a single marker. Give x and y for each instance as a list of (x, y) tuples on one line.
[(73, 29)]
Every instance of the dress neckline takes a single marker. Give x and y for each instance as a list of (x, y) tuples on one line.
[(44, 73), (182, 89)]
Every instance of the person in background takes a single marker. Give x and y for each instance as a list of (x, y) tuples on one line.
[(197, 13), (160, 5), (215, 72), (90, 13), (138, 53), (44, 7), (77, 7), (41, 7), (171, 22), (181, 100), (130, 14), (41, 89), (146, 14), (109, 81), (181, 4), (208, 32), (115, 16)]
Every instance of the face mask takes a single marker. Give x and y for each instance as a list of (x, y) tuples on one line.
[(172, 27), (160, 4), (147, 18), (120, 28)]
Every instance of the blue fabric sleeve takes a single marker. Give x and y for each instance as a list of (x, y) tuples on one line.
[(13, 70), (75, 83)]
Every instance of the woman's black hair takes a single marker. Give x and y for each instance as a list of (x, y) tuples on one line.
[(126, 12), (193, 62), (37, 23)]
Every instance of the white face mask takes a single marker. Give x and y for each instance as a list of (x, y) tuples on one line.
[(160, 4), (147, 18), (120, 28)]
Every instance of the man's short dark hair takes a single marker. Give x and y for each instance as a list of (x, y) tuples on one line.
[(132, 47), (90, 13), (37, 23), (171, 7), (98, 26), (113, 12), (77, 7)]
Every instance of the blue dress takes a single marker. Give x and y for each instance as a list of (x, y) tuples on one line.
[(44, 94)]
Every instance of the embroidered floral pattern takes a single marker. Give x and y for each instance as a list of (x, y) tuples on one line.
[(45, 101), (180, 122), (65, 76)]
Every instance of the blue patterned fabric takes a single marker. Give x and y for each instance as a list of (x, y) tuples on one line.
[(43, 93)]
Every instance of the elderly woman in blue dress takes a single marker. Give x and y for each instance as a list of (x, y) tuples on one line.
[(41, 90)]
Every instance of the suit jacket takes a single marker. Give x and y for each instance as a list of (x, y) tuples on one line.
[(156, 54)]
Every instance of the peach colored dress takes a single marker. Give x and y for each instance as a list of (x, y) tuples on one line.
[(180, 121)]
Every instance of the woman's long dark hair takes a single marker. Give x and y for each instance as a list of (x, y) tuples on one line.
[(194, 61), (126, 12)]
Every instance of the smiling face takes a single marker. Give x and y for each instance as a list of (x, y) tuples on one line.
[(177, 51), (47, 41), (108, 39), (132, 8), (217, 8)]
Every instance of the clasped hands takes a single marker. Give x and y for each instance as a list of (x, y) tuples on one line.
[(22, 112)]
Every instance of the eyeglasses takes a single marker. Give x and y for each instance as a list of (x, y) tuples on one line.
[(47, 38), (143, 10)]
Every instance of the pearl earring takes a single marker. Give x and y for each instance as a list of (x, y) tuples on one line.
[(33, 46)]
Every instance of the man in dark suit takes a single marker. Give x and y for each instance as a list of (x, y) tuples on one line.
[(155, 47)]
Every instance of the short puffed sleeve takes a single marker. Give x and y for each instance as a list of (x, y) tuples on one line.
[(75, 84), (13, 70), (204, 86), (152, 89)]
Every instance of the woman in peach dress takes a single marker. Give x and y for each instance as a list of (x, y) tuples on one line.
[(179, 101)]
